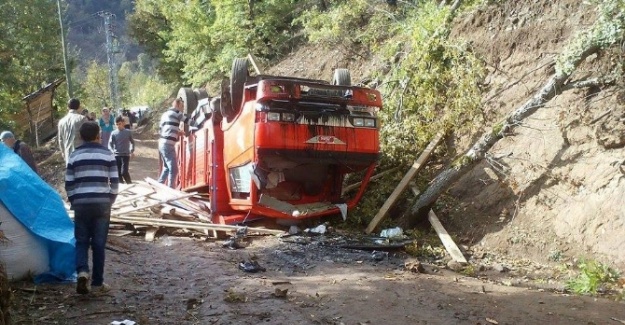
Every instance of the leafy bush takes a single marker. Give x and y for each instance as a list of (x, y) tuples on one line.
[(432, 86), (593, 277)]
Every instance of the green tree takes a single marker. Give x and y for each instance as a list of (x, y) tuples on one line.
[(30, 51), (195, 41)]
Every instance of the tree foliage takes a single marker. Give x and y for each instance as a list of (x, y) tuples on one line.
[(195, 41), (30, 51), (137, 86), (433, 87)]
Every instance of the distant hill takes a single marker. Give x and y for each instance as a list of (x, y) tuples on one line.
[(86, 36)]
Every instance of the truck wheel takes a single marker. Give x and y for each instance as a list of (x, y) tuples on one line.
[(238, 77), (190, 101), (200, 93), (226, 108), (215, 108), (341, 77)]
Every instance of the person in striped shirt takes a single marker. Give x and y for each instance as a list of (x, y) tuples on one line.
[(91, 183), (169, 133)]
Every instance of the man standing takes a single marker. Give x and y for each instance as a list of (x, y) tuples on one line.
[(169, 133), (68, 128), (91, 183), (20, 148)]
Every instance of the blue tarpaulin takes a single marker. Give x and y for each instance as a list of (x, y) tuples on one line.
[(40, 209)]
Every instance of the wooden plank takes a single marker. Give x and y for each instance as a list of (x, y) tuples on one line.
[(189, 225), (123, 188), (120, 212), (150, 233), (418, 164), (120, 232), (130, 198), (162, 188), (449, 244)]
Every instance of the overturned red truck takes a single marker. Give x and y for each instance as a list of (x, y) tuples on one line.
[(279, 147)]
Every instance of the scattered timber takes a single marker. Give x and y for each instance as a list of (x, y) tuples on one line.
[(403, 184), (149, 205)]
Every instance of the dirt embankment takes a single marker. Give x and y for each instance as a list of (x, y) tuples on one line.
[(557, 193)]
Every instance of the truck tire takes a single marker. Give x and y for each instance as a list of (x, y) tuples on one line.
[(341, 77), (226, 108), (238, 77), (190, 100), (215, 108), (200, 93)]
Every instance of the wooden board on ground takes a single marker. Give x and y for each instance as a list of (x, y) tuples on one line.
[(153, 222), (150, 233), (418, 164), (449, 244)]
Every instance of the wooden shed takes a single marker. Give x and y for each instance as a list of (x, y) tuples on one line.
[(37, 123)]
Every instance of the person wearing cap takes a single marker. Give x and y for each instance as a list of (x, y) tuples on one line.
[(169, 133), (68, 127), (107, 125), (20, 148)]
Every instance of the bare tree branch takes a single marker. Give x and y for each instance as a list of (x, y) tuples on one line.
[(553, 87)]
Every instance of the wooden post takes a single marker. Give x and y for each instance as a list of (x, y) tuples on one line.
[(418, 164), (449, 244)]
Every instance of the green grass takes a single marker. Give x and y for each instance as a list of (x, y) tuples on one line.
[(593, 277)]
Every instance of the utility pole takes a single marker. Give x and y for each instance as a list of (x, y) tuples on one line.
[(111, 50), (70, 92)]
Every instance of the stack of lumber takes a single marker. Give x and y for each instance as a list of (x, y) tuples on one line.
[(151, 205)]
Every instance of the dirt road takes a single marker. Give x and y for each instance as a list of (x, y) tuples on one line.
[(182, 280)]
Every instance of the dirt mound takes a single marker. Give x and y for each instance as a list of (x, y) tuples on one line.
[(557, 193)]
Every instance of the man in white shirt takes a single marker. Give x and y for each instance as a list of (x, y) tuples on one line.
[(68, 127)]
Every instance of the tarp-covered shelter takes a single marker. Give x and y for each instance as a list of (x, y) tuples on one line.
[(40, 210)]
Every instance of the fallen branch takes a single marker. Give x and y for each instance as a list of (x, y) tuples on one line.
[(514, 83), (604, 114), (587, 43), (357, 185)]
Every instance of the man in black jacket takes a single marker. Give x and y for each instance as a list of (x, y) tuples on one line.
[(20, 148)]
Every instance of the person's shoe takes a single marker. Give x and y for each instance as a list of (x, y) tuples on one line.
[(104, 288), (82, 285)]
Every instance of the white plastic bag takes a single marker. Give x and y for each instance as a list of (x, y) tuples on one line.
[(22, 253)]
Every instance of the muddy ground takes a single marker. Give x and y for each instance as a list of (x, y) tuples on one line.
[(183, 278)]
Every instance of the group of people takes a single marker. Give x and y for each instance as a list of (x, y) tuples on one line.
[(113, 134), (97, 153), (93, 175)]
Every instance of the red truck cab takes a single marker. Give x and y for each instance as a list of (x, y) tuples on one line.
[(279, 147)]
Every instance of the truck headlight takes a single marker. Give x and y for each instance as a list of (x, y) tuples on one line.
[(359, 121), (369, 122), (273, 116), (288, 117)]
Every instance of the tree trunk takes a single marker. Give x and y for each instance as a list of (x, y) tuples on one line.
[(554, 86)]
